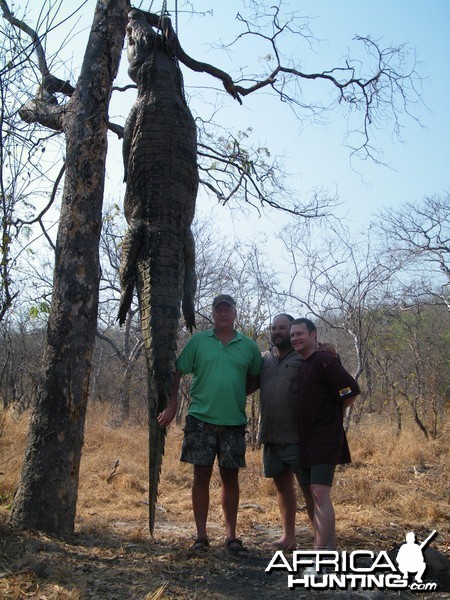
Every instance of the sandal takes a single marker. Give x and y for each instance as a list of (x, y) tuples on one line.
[(283, 547), (200, 545), (236, 547)]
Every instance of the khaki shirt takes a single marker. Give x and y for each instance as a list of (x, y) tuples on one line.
[(279, 398)]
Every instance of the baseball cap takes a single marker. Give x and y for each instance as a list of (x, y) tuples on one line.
[(223, 298)]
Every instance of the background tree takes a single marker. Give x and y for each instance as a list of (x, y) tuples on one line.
[(413, 362), (21, 347), (419, 234)]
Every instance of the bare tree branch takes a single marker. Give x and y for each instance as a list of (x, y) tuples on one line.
[(388, 88), (50, 85), (234, 170)]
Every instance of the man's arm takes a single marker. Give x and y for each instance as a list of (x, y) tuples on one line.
[(253, 381), (350, 391), (348, 401), (344, 385), (168, 414), (253, 384)]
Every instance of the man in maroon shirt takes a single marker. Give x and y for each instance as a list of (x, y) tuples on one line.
[(326, 389)]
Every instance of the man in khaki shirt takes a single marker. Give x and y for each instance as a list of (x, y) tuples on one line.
[(279, 422)]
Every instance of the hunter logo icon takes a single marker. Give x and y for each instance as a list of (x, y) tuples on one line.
[(410, 556)]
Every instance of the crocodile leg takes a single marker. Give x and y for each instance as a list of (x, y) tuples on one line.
[(131, 248)]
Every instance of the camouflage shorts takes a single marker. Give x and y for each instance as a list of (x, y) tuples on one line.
[(203, 442)]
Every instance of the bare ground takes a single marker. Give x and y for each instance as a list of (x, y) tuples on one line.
[(112, 565)]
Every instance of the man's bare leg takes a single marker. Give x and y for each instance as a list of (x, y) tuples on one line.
[(230, 499), (200, 498), (324, 518), (287, 504), (309, 502)]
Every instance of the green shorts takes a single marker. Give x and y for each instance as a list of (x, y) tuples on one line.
[(317, 474), (277, 457), (202, 442)]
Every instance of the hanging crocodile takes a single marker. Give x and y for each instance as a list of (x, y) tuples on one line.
[(160, 162)]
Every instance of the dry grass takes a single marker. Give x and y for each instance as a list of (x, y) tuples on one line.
[(13, 435), (395, 484), (396, 480)]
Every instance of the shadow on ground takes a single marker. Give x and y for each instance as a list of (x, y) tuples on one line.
[(110, 565)]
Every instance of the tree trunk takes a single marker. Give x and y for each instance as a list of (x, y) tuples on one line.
[(421, 425), (47, 493), (398, 414), (124, 397)]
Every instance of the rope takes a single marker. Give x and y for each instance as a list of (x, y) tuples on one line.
[(176, 58), (176, 17)]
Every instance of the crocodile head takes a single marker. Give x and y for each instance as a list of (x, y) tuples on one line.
[(140, 42)]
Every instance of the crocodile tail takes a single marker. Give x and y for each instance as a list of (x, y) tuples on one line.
[(156, 443), (159, 283)]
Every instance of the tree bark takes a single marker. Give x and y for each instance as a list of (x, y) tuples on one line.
[(47, 492)]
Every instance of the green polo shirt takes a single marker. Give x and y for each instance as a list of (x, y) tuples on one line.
[(219, 376)]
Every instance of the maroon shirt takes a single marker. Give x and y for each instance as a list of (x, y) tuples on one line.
[(324, 384)]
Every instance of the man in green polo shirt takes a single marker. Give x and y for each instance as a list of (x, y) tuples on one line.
[(223, 361)]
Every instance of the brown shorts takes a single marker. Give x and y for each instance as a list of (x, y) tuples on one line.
[(203, 442)]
